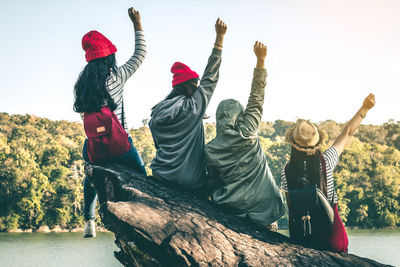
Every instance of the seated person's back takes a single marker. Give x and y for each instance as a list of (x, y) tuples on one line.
[(238, 173)]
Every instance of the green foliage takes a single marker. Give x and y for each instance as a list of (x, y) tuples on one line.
[(144, 143), (41, 170), (368, 185), (209, 132)]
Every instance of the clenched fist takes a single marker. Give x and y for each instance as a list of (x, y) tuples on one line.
[(369, 102), (134, 15), (220, 27), (260, 50)]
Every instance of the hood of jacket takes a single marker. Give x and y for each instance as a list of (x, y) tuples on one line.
[(167, 110), (228, 112)]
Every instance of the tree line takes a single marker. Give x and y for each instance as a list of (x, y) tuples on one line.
[(41, 170)]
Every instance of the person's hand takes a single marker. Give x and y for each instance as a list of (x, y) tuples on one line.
[(134, 15), (220, 29), (261, 52), (369, 102)]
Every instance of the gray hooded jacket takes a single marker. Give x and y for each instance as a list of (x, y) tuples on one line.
[(177, 128), (238, 172)]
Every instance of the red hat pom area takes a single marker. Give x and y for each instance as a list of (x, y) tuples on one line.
[(96, 45), (182, 73)]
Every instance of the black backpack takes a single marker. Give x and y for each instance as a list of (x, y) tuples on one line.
[(310, 213)]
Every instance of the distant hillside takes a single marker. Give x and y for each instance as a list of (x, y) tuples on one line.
[(41, 170)]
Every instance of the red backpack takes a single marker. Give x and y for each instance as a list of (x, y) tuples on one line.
[(106, 136)]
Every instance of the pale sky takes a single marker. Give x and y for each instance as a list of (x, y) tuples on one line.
[(323, 58)]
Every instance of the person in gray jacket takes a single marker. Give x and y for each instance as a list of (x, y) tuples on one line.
[(238, 173), (177, 122)]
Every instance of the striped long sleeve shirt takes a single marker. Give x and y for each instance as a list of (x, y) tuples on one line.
[(116, 81)]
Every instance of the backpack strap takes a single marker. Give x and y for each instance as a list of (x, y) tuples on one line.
[(123, 115)]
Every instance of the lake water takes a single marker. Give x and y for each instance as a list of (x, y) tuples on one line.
[(57, 249), (70, 249), (380, 245)]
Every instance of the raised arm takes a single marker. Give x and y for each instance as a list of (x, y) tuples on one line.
[(131, 66), (351, 126), (210, 77), (254, 108)]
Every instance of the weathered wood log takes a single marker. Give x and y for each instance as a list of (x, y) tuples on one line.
[(156, 224)]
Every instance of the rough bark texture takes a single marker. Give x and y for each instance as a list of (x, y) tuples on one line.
[(159, 225)]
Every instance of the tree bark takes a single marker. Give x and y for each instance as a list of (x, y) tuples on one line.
[(156, 224)]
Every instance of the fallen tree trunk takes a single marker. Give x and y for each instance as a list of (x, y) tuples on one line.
[(159, 225)]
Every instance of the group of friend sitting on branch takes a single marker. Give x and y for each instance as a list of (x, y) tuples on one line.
[(232, 169)]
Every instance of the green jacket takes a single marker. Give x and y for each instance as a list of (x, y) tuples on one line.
[(238, 172)]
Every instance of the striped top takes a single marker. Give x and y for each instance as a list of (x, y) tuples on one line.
[(116, 81), (331, 158)]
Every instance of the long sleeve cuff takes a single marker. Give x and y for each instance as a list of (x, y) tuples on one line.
[(216, 51)]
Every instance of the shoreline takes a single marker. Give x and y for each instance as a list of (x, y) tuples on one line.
[(58, 229), (55, 229)]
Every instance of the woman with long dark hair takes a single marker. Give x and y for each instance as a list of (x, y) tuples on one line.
[(101, 84), (308, 166)]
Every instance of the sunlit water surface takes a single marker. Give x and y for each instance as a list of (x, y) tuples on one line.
[(70, 249), (380, 245)]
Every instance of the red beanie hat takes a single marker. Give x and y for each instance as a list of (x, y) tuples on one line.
[(182, 73), (97, 45)]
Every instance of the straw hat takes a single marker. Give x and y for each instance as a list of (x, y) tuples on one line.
[(305, 136)]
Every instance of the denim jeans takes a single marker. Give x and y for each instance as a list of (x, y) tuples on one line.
[(130, 158)]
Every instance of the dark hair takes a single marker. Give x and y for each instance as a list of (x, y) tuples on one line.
[(295, 169), (90, 89), (186, 89)]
